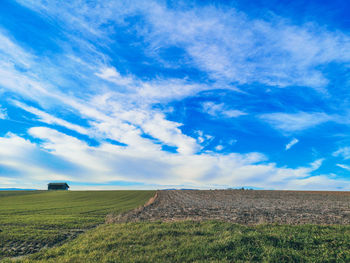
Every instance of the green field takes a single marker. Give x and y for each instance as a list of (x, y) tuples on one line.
[(30, 220), (207, 241), (33, 220)]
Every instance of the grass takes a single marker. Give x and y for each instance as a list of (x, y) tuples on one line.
[(208, 241), (30, 220)]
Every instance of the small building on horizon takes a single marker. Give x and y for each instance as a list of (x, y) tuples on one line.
[(57, 186)]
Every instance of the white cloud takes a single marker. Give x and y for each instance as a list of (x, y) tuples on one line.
[(219, 110), (203, 139), (123, 117), (225, 43), (346, 167), (127, 125), (343, 152), (169, 133), (291, 143), (26, 165), (320, 182), (219, 147), (147, 92), (49, 119), (233, 47), (13, 52), (112, 75), (68, 147), (294, 122), (3, 113), (117, 163)]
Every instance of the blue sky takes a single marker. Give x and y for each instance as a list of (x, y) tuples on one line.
[(160, 94)]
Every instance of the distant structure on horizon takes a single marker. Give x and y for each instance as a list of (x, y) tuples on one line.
[(57, 186)]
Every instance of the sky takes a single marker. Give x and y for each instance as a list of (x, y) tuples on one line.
[(175, 94)]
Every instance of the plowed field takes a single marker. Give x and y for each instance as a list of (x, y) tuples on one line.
[(245, 207)]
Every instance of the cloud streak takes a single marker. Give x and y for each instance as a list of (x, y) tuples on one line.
[(217, 110), (343, 152), (231, 46), (295, 122), (3, 113), (291, 144), (225, 43)]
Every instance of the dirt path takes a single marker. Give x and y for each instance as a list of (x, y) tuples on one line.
[(245, 207)]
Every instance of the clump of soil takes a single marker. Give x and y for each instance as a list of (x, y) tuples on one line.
[(244, 207)]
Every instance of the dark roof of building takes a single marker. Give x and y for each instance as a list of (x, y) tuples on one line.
[(65, 184)]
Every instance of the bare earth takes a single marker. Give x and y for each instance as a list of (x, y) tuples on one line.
[(245, 207)]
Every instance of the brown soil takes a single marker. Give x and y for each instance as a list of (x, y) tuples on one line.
[(17, 249), (245, 207)]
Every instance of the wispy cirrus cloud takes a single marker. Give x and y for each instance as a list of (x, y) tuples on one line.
[(111, 110), (112, 75), (217, 110), (293, 142), (294, 122), (3, 113), (227, 44), (13, 52), (344, 166), (343, 152), (231, 46), (50, 119)]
